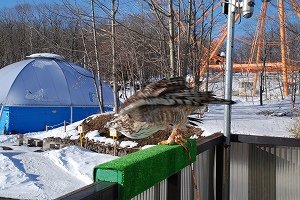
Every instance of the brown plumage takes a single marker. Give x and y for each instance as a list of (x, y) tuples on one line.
[(158, 105)]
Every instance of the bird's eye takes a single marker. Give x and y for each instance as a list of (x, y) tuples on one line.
[(109, 124)]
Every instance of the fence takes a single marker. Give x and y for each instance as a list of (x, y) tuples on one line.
[(266, 168)]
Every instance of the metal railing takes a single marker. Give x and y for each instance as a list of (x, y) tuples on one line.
[(264, 168), (260, 168)]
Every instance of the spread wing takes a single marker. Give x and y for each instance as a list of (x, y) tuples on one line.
[(169, 92)]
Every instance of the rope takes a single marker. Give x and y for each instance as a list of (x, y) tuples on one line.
[(192, 170), (57, 125)]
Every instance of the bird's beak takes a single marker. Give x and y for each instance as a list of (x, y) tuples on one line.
[(106, 126)]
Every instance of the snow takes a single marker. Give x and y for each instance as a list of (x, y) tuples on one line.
[(26, 174), (128, 144), (247, 118)]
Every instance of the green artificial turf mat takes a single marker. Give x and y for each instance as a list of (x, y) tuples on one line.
[(141, 170)]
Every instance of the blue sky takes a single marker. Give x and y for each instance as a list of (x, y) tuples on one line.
[(12, 3)]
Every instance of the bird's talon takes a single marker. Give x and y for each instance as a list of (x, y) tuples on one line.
[(179, 139), (166, 142), (169, 141)]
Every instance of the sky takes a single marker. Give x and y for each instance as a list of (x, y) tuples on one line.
[(12, 3)]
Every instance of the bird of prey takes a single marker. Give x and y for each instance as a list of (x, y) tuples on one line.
[(158, 105)]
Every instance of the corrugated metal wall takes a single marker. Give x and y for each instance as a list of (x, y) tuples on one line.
[(287, 173), (257, 171), (157, 192), (265, 172), (239, 171), (204, 173)]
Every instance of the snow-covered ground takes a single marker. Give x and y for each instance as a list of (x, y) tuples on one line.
[(25, 174), (248, 117)]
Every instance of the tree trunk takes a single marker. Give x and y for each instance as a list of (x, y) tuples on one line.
[(171, 39), (188, 41), (113, 41), (99, 85)]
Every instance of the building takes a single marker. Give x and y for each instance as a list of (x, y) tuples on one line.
[(44, 89)]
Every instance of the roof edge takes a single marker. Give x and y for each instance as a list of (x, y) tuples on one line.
[(46, 55)]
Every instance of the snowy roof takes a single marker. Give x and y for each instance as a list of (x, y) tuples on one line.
[(46, 55), (47, 80)]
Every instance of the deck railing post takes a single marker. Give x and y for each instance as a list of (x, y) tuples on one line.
[(219, 171), (228, 96), (174, 187)]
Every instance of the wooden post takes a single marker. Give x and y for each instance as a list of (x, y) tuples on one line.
[(65, 128), (20, 139), (46, 128), (113, 134), (80, 131)]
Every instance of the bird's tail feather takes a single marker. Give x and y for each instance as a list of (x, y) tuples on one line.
[(194, 121)]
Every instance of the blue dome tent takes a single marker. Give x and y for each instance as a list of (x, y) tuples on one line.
[(46, 90)]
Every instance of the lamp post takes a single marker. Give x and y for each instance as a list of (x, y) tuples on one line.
[(228, 95), (247, 11)]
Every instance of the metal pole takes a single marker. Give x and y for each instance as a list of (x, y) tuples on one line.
[(3, 131), (228, 95), (71, 115), (1, 111)]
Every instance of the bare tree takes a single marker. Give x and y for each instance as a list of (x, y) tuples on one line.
[(98, 89), (113, 42), (171, 38)]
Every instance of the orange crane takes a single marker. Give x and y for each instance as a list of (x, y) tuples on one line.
[(282, 23), (258, 40), (258, 67), (251, 66), (215, 46), (255, 67)]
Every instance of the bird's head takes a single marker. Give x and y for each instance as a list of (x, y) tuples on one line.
[(129, 127), (113, 124), (122, 124)]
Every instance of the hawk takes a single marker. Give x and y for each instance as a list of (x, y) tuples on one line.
[(158, 105)]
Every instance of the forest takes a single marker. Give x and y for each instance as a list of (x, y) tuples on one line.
[(142, 40)]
